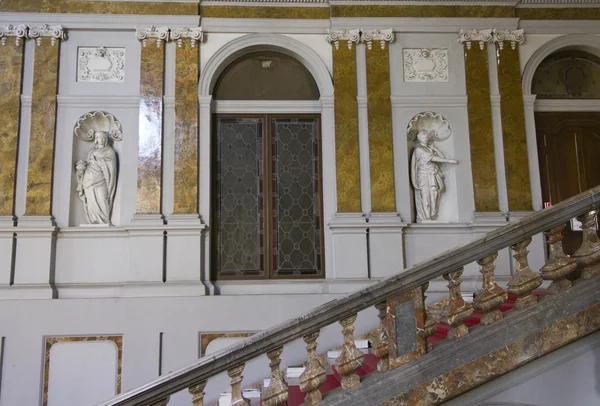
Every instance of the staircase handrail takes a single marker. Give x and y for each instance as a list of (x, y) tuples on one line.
[(339, 309)]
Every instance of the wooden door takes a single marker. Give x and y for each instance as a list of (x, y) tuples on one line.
[(569, 153)]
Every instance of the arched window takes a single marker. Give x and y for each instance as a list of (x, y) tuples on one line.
[(267, 183), (568, 74)]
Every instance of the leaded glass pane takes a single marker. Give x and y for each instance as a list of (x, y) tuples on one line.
[(296, 203), (239, 208)]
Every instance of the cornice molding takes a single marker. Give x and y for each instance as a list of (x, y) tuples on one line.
[(264, 26), (423, 24)]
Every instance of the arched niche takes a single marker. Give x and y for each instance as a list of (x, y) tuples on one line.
[(275, 76)]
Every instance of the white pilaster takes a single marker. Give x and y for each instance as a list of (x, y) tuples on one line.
[(532, 152), (386, 244), (204, 189), (349, 231), (328, 177), (363, 128)]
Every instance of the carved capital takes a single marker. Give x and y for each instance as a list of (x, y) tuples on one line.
[(19, 32), (514, 36), (160, 35), (54, 32), (335, 36), (195, 35), (383, 36), (475, 35)]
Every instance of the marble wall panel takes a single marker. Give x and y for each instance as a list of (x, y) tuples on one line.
[(512, 110), (381, 153), (481, 138), (43, 129), (11, 66), (346, 129), (186, 130), (151, 130), (99, 7), (421, 11), (50, 341), (300, 13), (566, 13), (498, 362)]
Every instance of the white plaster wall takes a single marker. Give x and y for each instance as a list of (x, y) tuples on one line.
[(140, 321), (82, 373)]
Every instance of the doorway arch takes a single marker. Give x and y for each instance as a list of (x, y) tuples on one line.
[(320, 72)]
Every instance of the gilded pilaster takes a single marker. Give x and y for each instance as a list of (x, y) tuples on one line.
[(186, 120), (481, 138), (346, 120), (149, 183), (513, 120), (11, 66), (43, 119), (381, 154)]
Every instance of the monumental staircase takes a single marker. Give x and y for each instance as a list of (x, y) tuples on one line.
[(421, 355)]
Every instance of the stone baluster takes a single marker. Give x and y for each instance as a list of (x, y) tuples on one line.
[(526, 280), (197, 392), (491, 295), (429, 328), (559, 265), (351, 357), (382, 350), (588, 255), (162, 402), (457, 310), (236, 386), (277, 392), (314, 375)]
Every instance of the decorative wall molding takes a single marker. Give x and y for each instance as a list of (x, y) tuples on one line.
[(514, 36), (567, 105), (425, 65), (264, 106), (335, 36), (19, 32), (265, 25), (160, 35), (427, 102), (475, 35), (97, 101), (357, 35), (100, 64), (421, 25), (54, 32), (195, 35), (97, 121)]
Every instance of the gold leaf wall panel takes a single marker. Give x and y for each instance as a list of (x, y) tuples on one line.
[(516, 162), (186, 130), (149, 182), (481, 137), (43, 129), (98, 7), (381, 153), (11, 66), (300, 13), (421, 11), (346, 129), (567, 13)]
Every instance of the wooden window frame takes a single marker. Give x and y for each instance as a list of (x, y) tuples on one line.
[(268, 198)]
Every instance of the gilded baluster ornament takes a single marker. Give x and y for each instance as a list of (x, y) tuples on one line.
[(588, 255), (197, 392), (351, 357), (382, 350), (314, 375), (236, 386), (277, 392), (429, 328), (559, 265), (526, 280), (457, 310), (491, 295)]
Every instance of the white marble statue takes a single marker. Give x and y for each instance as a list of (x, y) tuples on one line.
[(97, 180), (426, 175)]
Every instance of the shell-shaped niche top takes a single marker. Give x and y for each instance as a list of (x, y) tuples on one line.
[(97, 121), (431, 122)]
